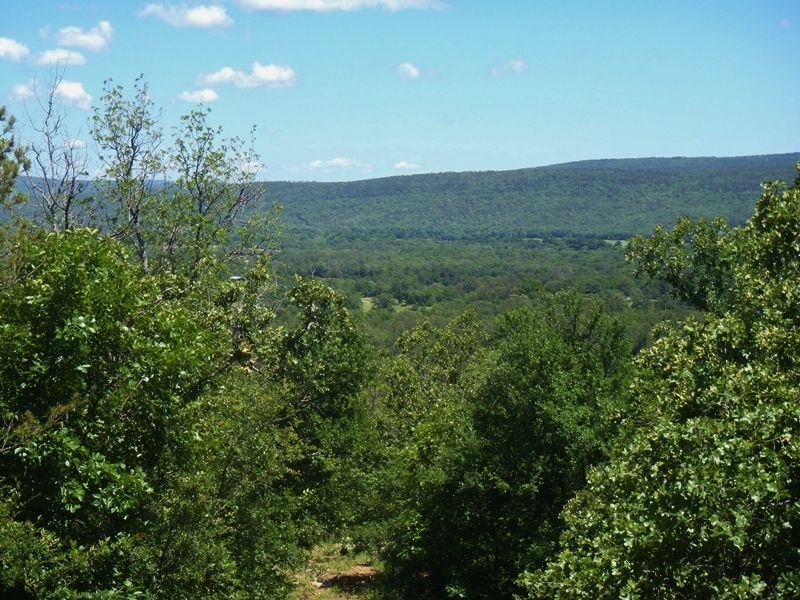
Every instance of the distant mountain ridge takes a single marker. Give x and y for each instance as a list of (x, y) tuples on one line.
[(604, 198), (608, 198)]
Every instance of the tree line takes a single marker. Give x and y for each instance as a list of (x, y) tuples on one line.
[(604, 199)]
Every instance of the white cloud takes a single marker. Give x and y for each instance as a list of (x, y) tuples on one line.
[(72, 92), (331, 5), (409, 71), (22, 91), (75, 143), (269, 75), (96, 39), (12, 49), (212, 15), (334, 163), (405, 165), (514, 65), (60, 56), (252, 167), (204, 95)]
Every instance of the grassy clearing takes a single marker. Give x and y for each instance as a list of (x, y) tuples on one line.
[(333, 573), (367, 304)]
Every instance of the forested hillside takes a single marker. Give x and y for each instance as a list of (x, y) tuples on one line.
[(430, 246), (612, 199)]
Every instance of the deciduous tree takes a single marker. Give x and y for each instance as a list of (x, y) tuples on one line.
[(12, 158), (702, 500), (129, 137), (57, 174)]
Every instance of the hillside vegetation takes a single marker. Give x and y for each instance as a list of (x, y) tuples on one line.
[(612, 199), (431, 246)]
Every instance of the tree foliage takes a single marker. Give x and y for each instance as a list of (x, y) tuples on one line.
[(495, 449), (216, 210), (12, 158), (213, 209), (159, 435), (129, 139), (153, 439), (693, 258), (702, 500), (96, 365)]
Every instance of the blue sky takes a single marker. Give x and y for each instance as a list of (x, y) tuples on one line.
[(351, 89)]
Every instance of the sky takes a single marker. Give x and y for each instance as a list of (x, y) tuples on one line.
[(354, 89)]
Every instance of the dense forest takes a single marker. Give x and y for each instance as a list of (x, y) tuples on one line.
[(602, 199), (182, 417), (431, 246)]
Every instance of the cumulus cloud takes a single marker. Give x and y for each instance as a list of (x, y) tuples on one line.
[(408, 71), (204, 95), (12, 49), (60, 56), (72, 92), (331, 5), (405, 165), (212, 15), (22, 91), (272, 76), (334, 163), (514, 65), (95, 39)]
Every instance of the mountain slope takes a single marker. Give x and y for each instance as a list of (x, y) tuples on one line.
[(604, 198)]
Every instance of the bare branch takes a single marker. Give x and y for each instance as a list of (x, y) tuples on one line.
[(57, 174)]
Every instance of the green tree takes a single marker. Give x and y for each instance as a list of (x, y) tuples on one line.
[(129, 138), (216, 211), (212, 218), (702, 499), (322, 362), (228, 513), (96, 364), (12, 158), (152, 441), (159, 437), (423, 419), (486, 472), (693, 258)]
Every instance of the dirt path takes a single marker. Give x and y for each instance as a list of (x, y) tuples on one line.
[(353, 582), (333, 576)]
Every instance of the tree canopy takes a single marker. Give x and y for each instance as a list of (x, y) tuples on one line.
[(701, 498), (12, 157)]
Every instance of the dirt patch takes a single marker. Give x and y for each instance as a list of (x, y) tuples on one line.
[(332, 573), (351, 581)]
